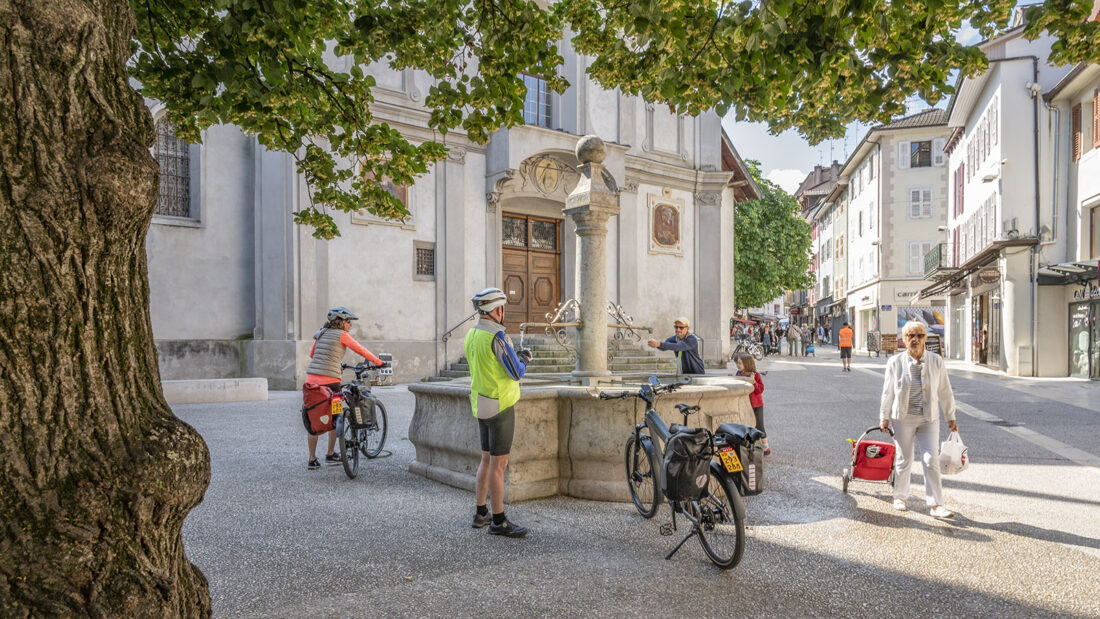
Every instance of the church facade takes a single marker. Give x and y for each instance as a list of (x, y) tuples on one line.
[(237, 289)]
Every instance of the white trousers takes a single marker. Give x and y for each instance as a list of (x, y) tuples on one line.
[(925, 436)]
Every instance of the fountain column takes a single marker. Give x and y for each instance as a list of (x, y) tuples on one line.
[(591, 204)]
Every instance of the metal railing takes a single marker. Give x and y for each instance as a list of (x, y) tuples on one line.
[(939, 258)]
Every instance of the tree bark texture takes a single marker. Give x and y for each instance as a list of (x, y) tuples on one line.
[(96, 473)]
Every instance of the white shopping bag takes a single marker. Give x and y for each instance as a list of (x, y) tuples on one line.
[(953, 456)]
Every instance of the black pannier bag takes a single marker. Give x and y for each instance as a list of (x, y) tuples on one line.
[(750, 450), (687, 460)]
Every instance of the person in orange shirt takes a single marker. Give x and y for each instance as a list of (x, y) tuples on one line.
[(846, 334), (329, 344)]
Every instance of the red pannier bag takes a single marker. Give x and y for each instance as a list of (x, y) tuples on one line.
[(320, 404), (874, 460)]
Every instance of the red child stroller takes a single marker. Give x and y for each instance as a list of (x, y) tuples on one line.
[(871, 460)]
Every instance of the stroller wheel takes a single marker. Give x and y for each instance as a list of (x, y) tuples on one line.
[(845, 477)]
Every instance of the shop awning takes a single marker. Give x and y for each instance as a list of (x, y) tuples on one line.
[(1069, 273), (745, 321), (957, 279)]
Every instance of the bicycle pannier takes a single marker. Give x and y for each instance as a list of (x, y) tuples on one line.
[(318, 407), (362, 414), (687, 460), (750, 449)]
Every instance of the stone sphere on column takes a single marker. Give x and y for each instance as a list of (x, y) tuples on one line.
[(590, 149)]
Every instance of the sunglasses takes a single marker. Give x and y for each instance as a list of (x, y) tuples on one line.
[(919, 336), (678, 327)]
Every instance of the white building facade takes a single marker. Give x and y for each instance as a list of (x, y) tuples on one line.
[(237, 289), (895, 196), (1000, 227)]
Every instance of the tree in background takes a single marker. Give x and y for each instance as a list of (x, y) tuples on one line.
[(96, 474), (772, 245)]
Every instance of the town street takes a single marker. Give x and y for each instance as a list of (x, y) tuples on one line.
[(275, 539)]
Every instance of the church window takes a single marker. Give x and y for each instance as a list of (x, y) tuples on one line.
[(536, 103), (174, 193), (514, 231), (425, 260), (544, 234)]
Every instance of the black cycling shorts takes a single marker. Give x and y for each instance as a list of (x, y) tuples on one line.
[(845, 352), (497, 432)]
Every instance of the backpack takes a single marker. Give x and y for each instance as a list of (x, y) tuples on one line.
[(319, 406), (687, 464)]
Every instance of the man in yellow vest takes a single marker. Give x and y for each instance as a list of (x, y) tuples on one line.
[(495, 370)]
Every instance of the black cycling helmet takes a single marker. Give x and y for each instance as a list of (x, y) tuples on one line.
[(342, 313)]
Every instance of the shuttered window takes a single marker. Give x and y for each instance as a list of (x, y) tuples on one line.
[(920, 203), (917, 250), (1096, 117), (1075, 130)]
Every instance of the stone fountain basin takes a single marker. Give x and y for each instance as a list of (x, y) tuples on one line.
[(566, 442)]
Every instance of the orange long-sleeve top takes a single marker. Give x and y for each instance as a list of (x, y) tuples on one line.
[(348, 342)]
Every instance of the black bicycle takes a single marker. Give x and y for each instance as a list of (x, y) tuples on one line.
[(361, 428), (718, 515)]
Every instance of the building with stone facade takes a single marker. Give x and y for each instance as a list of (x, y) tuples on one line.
[(237, 289)]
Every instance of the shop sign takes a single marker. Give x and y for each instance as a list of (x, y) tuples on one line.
[(1087, 291), (886, 308), (905, 294), (795, 312), (988, 275)]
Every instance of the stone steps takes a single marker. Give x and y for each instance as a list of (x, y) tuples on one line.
[(552, 358)]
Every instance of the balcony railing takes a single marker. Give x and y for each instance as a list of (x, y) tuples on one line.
[(939, 262)]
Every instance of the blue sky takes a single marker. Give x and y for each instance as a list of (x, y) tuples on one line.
[(787, 158)]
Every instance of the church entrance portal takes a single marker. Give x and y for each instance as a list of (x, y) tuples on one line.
[(531, 248)]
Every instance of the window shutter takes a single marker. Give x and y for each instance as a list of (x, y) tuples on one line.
[(904, 155), (962, 188), (938, 158), (1096, 117), (914, 203), (926, 203), (1075, 131)]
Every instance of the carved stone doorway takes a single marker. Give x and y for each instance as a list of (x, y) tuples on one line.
[(531, 257)]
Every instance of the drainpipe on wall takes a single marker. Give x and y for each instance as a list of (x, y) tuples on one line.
[(1054, 175), (1035, 89)]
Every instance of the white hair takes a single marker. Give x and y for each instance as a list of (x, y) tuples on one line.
[(913, 325)]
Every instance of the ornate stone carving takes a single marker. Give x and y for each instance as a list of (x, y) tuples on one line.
[(630, 185), (456, 154), (708, 198), (492, 199), (408, 83)]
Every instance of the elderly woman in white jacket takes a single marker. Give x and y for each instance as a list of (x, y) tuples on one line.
[(915, 389)]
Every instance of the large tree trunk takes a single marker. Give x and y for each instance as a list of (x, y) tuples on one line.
[(96, 474)]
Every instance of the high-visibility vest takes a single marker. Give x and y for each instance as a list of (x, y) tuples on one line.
[(488, 378), (846, 334)]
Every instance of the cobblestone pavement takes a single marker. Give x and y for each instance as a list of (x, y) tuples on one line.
[(277, 540)]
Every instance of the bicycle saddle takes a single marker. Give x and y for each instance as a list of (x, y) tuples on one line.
[(686, 410)]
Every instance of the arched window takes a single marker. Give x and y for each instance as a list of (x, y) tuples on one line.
[(174, 194)]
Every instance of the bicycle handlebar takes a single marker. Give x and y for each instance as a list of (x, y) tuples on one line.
[(365, 366), (637, 394)]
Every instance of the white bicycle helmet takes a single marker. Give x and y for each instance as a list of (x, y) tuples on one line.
[(489, 299), (341, 312)]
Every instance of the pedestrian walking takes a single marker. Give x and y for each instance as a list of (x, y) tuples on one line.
[(766, 340), (495, 370), (746, 366), (914, 391), (845, 340), (807, 339)]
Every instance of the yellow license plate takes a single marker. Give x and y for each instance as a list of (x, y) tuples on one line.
[(337, 407), (730, 460)]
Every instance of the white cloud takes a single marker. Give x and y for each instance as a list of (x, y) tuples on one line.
[(788, 179), (967, 34)]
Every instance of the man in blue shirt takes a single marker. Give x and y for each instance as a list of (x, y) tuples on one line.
[(685, 344)]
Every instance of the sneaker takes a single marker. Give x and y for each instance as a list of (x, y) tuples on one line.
[(482, 521), (507, 529), (332, 458), (313, 464), (940, 511), (900, 505)]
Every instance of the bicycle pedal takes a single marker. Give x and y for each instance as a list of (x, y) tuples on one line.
[(665, 529)]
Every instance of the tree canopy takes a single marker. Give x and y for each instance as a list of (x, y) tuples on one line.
[(772, 245), (291, 73)]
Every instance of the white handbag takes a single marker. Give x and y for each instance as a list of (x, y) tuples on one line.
[(953, 455)]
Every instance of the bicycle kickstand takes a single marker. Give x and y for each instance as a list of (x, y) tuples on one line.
[(694, 529)]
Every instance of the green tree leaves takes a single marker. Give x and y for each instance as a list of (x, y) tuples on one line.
[(772, 251)]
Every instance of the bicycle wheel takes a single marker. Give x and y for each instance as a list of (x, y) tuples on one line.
[(640, 476), (721, 530), (374, 435), (349, 447), (757, 353)]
